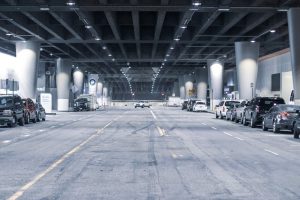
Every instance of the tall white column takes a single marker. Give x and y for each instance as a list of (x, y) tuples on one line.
[(63, 79), (246, 61), (294, 31), (201, 78), (189, 86), (105, 94), (27, 54), (181, 87), (100, 92), (78, 81), (216, 72)]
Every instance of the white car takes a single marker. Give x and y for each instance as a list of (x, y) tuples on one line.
[(142, 104), (199, 106), (223, 106)]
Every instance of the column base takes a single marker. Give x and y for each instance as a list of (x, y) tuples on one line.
[(62, 104)]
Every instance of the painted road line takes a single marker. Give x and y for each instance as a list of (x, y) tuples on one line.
[(239, 138), (204, 124), (214, 128), (153, 115), (6, 141), (26, 135), (228, 134), (174, 155), (272, 152), (28, 185), (161, 131)]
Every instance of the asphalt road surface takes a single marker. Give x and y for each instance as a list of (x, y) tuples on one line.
[(158, 153)]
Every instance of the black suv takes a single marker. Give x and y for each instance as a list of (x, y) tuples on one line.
[(11, 110), (257, 108)]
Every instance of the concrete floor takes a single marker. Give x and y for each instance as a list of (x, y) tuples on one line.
[(159, 153)]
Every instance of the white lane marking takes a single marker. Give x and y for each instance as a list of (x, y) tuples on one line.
[(153, 114), (41, 130), (214, 128), (272, 152), (52, 126), (228, 134), (28, 185), (26, 135), (6, 141), (62, 124), (204, 124), (239, 138), (161, 131), (174, 155)]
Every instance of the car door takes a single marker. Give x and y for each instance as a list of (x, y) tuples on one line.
[(269, 117), (18, 107)]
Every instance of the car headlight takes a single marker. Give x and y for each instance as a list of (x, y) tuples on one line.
[(7, 112)]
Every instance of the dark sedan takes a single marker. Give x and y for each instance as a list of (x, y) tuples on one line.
[(41, 113), (281, 117), (184, 105)]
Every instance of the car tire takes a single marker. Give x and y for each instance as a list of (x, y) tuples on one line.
[(34, 119), (245, 123), (22, 121), (275, 129), (217, 116), (44, 118), (221, 117), (231, 118), (264, 128), (252, 123), (296, 133), (27, 119), (38, 119), (13, 123), (236, 120)]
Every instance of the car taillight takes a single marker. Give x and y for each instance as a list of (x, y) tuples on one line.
[(284, 115)]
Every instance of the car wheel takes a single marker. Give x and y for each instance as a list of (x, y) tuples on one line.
[(27, 119), (236, 120), (264, 128), (244, 121), (217, 116), (296, 133), (275, 129), (44, 118), (221, 117), (13, 122), (22, 121), (39, 117), (252, 122), (34, 119), (231, 118)]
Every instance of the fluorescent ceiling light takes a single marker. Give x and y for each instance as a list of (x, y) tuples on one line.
[(104, 47), (44, 9), (252, 41), (88, 26), (224, 9), (183, 27), (109, 55), (71, 3), (196, 3), (273, 31), (97, 38), (172, 48), (177, 39)]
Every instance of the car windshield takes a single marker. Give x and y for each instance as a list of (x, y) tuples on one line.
[(269, 103), (6, 101), (200, 103), (81, 100), (289, 108), (231, 103)]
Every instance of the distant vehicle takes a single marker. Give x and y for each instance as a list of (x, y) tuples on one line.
[(281, 117), (231, 111), (142, 104), (223, 106), (184, 105), (86, 103), (199, 106), (257, 108), (41, 113), (240, 111), (174, 102), (29, 110), (190, 104), (11, 110)]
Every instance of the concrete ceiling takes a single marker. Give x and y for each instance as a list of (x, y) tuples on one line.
[(104, 36)]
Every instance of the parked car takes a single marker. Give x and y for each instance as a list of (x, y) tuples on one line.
[(231, 112), (11, 110), (281, 117), (223, 106), (257, 108), (240, 111), (29, 110), (190, 104), (296, 128), (184, 105), (142, 104), (86, 103), (199, 106), (41, 113)]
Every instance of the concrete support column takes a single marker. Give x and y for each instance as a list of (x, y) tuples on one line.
[(63, 78), (181, 87), (201, 79), (93, 80), (246, 61), (105, 94), (294, 34), (216, 72), (27, 54), (100, 92), (78, 81), (189, 86), (176, 92)]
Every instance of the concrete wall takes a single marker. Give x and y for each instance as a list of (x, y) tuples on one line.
[(273, 65)]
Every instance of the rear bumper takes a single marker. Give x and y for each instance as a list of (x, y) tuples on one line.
[(284, 124), (5, 120)]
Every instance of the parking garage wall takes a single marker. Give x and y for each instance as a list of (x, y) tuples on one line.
[(278, 63)]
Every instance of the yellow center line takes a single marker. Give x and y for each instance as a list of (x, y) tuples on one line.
[(28, 185)]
